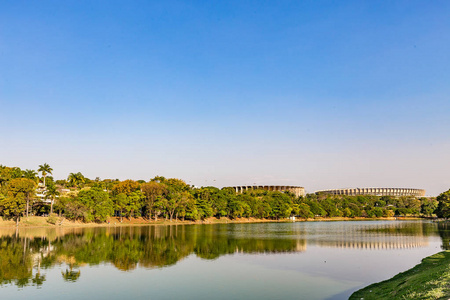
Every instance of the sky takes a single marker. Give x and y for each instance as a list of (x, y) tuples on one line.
[(319, 94)]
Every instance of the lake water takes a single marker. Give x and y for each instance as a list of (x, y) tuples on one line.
[(303, 260)]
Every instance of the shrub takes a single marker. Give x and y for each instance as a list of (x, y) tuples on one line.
[(52, 219)]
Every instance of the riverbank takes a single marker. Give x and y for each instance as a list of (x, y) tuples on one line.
[(428, 280), (114, 221), (34, 221)]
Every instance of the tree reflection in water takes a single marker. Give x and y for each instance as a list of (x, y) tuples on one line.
[(71, 276), (23, 254), (444, 232)]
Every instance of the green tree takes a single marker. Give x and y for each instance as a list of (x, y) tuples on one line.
[(98, 204), (19, 193), (203, 202), (304, 211), (347, 212), (316, 209), (30, 174), (443, 209), (428, 206), (60, 204), (176, 189), (76, 179), (152, 191), (135, 203), (7, 174), (236, 207), (190, 209), (121, 202), (281, 205), (186, 198)]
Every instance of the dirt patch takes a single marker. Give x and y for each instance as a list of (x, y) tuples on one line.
[(115, 221)]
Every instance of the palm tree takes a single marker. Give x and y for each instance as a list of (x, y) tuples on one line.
[(76, 178), (45, 169), (71, 276), (30, 174), (52, 192)]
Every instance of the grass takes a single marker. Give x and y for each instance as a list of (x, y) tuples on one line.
[(428, 280)]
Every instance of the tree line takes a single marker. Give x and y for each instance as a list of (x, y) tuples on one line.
[(87, 200)]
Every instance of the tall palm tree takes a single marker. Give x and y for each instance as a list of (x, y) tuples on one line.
[(45, 169)]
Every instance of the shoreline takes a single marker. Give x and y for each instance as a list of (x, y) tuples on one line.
[(429, 279), (35, 222)]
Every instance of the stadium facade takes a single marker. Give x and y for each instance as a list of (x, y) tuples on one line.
[(395, 192)]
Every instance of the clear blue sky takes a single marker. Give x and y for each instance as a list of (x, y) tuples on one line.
[(321, 94)]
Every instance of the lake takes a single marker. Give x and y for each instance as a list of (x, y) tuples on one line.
[(301, 260)]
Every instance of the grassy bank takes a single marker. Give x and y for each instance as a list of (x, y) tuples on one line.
[(428, 280)]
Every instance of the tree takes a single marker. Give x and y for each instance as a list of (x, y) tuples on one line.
[(127, 187), (13, 206), (152, 190), (45, 169), (75, 179), (236, 207), (52, 192), (304, 211), (428, 206), (203, 202), (121, 202), (281, 205), (30, 174), (98, 204), (74, 209), (443, 209), (135, 204), (172, 203), (7, 174), (61, 204), (19, 192), (185, 198), (171, 194)]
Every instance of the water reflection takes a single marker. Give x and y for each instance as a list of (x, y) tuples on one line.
[(24, 254), (444, 232), (379, 235)]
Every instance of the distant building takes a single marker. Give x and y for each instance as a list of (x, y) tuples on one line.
[(41, 193), (296, 190), (395, 192)]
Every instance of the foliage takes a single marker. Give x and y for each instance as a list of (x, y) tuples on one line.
[(428, 206), (18, 193), (45, 169), (52, 219), (76, 179), (97, 203), (126, 187), (443, 209), (152, 191), (428, 280)]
